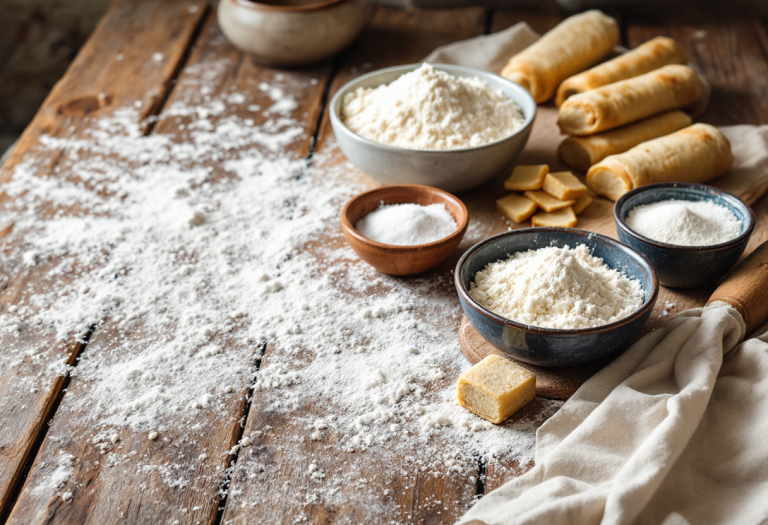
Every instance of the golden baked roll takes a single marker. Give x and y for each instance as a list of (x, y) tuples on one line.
[(575, 44), (646, 57), (582, 152), (627, 101), (698, 153)]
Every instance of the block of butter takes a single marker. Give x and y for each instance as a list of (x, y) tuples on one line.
[(516, 207), (526, 178), (581, 204), (564, 218), (564, 185), (495, 388), (547, 202)]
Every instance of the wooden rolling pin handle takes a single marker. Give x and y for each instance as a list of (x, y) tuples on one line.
[(746, 289)]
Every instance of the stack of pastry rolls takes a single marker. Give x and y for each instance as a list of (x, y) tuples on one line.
[(623, 116)]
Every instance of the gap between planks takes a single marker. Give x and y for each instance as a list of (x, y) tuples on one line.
[(60, 386)]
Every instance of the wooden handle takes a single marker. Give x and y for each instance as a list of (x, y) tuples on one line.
[(746, 289)]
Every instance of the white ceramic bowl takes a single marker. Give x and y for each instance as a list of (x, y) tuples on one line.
[(290, 33), (450, 170)]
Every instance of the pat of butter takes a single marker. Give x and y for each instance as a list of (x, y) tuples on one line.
[(526, 178), (564, 218), (581, 204), (547, 202), (564, 185), (516, 207), (495, 388)]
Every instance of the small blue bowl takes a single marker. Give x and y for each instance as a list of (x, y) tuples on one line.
[(553, 346), (685, 266)]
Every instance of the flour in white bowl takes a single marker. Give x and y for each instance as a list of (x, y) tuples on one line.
[(429, 109), (685, 223), (556, 288)]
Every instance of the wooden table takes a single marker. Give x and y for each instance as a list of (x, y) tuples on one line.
[(731, 52)]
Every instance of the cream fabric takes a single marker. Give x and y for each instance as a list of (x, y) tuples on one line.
[(675, 431)]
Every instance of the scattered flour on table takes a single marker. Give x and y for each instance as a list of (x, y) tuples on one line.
[(407, 224), (429, 109), (187, 258), (556, 288), (685, 223)]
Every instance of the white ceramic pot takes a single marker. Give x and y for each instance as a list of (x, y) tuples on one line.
[(292, 33)]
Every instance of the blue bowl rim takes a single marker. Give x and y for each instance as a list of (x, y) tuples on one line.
[(648, 303), (406, 68), (697, 188)]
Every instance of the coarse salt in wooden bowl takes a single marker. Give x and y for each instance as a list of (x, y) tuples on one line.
[(403, 260)]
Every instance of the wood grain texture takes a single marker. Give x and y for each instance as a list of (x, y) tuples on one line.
[(729, 52), (24, 408), (746, 288), (271, 482), (138, 480)]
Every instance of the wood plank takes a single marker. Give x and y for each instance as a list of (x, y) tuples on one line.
[(729, 52), (29, 381), (138, 480), (272, 482)]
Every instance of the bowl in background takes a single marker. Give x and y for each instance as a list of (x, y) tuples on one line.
[(451, 170), (554, 347), (402, 260), (685, 266), (292, 33)]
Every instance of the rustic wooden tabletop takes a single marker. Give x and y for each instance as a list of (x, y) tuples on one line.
[(53, 469)]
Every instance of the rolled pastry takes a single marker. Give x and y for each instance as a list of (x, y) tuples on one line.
[(626, 101), (655, 53), (575, 44), (582, 152), (698, 153)]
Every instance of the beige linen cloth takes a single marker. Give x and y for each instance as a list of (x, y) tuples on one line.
[(675, 431)]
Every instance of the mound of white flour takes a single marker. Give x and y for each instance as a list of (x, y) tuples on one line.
[(556, 288), (685, 223), (431, 109)]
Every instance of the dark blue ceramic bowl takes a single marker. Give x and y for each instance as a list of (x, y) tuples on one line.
[(685, 266), (553, 346)]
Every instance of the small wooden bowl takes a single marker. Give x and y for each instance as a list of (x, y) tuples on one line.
[(402, 260)]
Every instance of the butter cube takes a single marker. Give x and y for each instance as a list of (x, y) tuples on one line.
[(547, 202), (516, 207), (526, 178), (495, 388), (564, 185), (581, 204), (564, 218)]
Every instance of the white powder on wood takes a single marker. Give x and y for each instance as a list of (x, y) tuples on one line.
[(685, 223), (428, 109), (407, 224), (556, 288), (187, 271)]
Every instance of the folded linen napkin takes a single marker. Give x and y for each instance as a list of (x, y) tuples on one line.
[(675, 430)]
